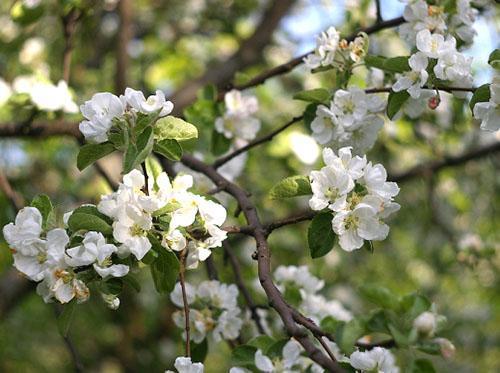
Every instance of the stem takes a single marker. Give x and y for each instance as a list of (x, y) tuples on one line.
[(182, 280)]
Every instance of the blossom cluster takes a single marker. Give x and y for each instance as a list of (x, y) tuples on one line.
[(358, 195), (181, 219), (378, 359), (419, 15), (291, 278), (351, 120), (332, 51), (185, 365), (63, 259), (238, 121), (449, 64), (43, 256), (213, 309), (41, 92), (104, 110), (489, 112)]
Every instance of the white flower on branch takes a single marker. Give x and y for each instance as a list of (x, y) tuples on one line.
[(326, 45), (99, 112), (213, 309), (154, 103), (378, 360), (413, 80), (357, 193), (489, 112), (351, 120), (238, 121), (185, 365)]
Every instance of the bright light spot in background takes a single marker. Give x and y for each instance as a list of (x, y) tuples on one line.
[(304, 147), (12, 155)]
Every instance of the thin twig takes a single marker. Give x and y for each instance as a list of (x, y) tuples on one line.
[(222, 160), (238, 278), (378, 6), (69, 22), (182, 280), (290, 65), (211, 269), (14, 198), (68, 342)]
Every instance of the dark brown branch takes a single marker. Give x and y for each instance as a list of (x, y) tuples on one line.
[(238, 278), (290, 65), (264, 262), (124, 37), (222, 160), (69, 23), (70, 346), (211, 269), (378, 8), (249, 53), (449, 161), (185, 303)]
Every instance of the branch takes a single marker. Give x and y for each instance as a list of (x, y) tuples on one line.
[(290, 65), (68, 342), (69, 23), (124, 36), (241, 285), (248, 54), (222, 160), (264, 262), (185, 301), (15, 199), (379, 18)]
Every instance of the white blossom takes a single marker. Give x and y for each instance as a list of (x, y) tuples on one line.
[(154, 103), (421, 16), (489, 112), (288, 363), (99, 112), (426, 323), (299, 277), (326, 45), (377, 359), (415, 79), (25, 231), (238, 121), (185, 365)]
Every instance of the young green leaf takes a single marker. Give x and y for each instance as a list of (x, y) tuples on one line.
[(320, 236), (219, 144), (112, 286), (65, 317), (397, 64), (482, 94), (174, 129), (164, 271), (89, 153), (395, 102), (379, 295), (145, 143), (310, 114), (81, 221), (243, 356), (199, 351), (262, 342), (347, 334), (44, 205), (171, 149), (292, 186), (494, 59), (422, 366), (318, 95), (375, 61), (129, 159)]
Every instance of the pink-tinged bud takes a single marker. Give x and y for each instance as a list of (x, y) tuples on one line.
[(433, 102), (447, 348)]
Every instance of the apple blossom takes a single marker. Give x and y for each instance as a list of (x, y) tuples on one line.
[(185, 365), (489, 112), (376, 360), (238, 121)]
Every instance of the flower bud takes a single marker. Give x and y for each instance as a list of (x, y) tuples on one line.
[(112, 301), (425, 323), (447, 348), (433, 102)]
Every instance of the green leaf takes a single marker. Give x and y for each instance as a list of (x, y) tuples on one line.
[(494, 59), (81, 221), (143, 121), (164, 271), (318, 95), (153, 167), (276, 349), (65, 317), (209, 92), (112, 286), (329, 324), (320, 235), (377, 322), (174, 129), (129, 158), (24, 14), (89, 153), (92, 210), (199, 351), (145, 143), (292, 186), (292, 295), (481, 94), (44, 205), (219, 144), (400, 337), (132, 282), (379, 295), (118, 136), (170, 149), (243, 356), (310, 114), (262, 342), (395, 102), (429, 347), (375, 61), (347, 334), (413, 305), (422, 366), (397, 64)]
